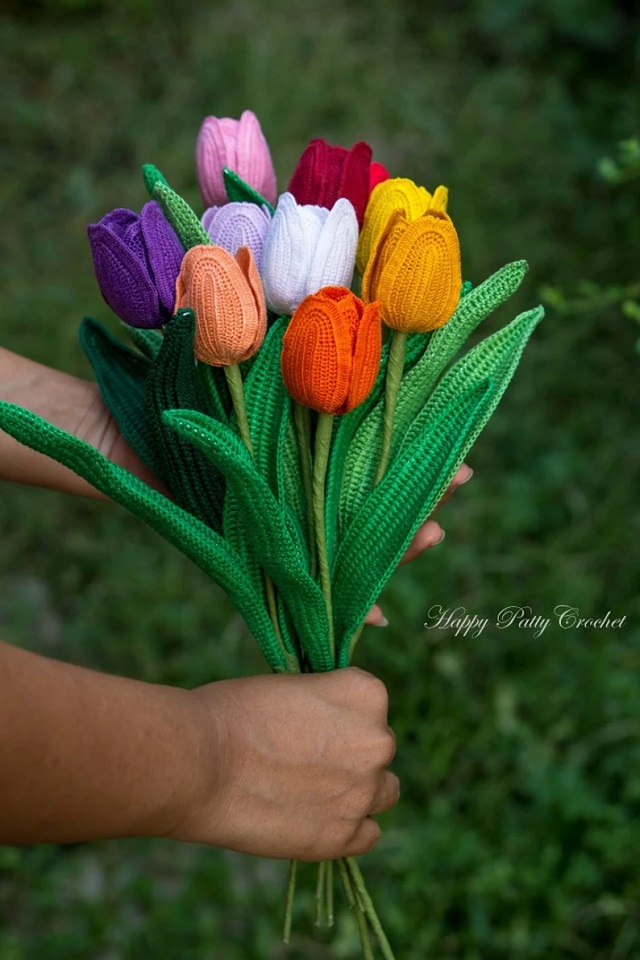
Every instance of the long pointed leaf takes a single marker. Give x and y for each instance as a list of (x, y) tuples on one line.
[(363, 453), (147, 341), (197, 541), (174, 384), (384, 527), (267, 523), (121, 374)]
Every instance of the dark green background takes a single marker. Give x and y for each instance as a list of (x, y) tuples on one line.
[(517, 835)]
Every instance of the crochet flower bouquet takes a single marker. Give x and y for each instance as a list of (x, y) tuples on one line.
[(304, 430)]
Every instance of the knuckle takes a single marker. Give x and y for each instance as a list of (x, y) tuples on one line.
[(368, 837), (387, 749), (376, 692)]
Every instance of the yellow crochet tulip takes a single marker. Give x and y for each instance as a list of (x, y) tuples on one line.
[(398, 194), (414, 271)]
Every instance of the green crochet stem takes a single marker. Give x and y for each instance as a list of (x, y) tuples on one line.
[(321, 892), (324, 429), (302, 420), (288, 910), (329, 893), (367, 903), (395, 366), (236, 389), (354, 904)]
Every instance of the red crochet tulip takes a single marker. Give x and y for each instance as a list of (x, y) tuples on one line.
[(325, 173)]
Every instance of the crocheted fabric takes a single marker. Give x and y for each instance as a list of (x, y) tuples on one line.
[(239, 464)]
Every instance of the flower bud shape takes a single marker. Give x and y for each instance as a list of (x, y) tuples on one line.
[(238, 225), (414, 272), (325, 173), (227, 297), (396, 194), (307, 247), (331, 351), (239, 145), (137, 260)]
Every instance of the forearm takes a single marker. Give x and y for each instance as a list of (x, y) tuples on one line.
[(71, 403), (86, 756), (66, 401)]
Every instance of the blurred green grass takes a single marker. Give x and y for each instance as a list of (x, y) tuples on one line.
[(517, 835)]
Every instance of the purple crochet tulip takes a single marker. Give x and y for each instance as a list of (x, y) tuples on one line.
[(238, 225), (137, 260)]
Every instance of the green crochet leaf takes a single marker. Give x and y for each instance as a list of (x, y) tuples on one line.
[(267, 524), (121, 374), (151, 175), (497, 356), (291, 490), (174, 384), (182, 218), (146, 340), (268, 401), (238, 190), (362, 455), (384, 527), (197, 541)]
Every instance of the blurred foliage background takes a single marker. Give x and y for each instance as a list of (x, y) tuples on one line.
[(518, 833)]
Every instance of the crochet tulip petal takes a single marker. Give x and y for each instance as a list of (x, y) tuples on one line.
[(227, 322), (398, 193), (366, 357), (123, 278), (253, 158), (354, 178), (310, 181), (285, 258), (419, 284), (211, 157), (164, 253), (333, 260), (238, 225)]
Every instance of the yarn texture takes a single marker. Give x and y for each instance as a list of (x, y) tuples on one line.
[(302, 445)]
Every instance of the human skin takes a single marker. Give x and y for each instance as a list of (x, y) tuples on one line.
[(281, 766)]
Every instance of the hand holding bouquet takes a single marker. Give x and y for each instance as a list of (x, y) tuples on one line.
[(293, 386)]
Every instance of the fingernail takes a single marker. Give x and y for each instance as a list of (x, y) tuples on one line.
[(441, 538), (468, 476), (382, 623)]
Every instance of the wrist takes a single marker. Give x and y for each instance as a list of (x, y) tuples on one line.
[(190, 812)]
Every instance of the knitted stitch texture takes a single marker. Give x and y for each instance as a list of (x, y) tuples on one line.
[(136, 260), (414, 271), (307, 247), (331, 351), (238, 225), (226, 295), (399, 194), (199, 542), (239, 145), (325, 173), (417, 385)]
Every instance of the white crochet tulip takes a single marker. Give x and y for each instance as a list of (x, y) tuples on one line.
[(307, 248)]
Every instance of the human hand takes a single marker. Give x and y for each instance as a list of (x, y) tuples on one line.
[(294, 766)]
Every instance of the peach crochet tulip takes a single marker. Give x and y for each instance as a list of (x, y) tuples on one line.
[(227, 296), (239, 145), (401, 194), (331, 350), (414, 272)]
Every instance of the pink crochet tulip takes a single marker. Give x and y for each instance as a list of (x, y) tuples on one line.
[(239, 145)]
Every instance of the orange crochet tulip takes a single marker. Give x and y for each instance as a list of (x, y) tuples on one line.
[(331, 350), (227, 296), (414, 271)]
